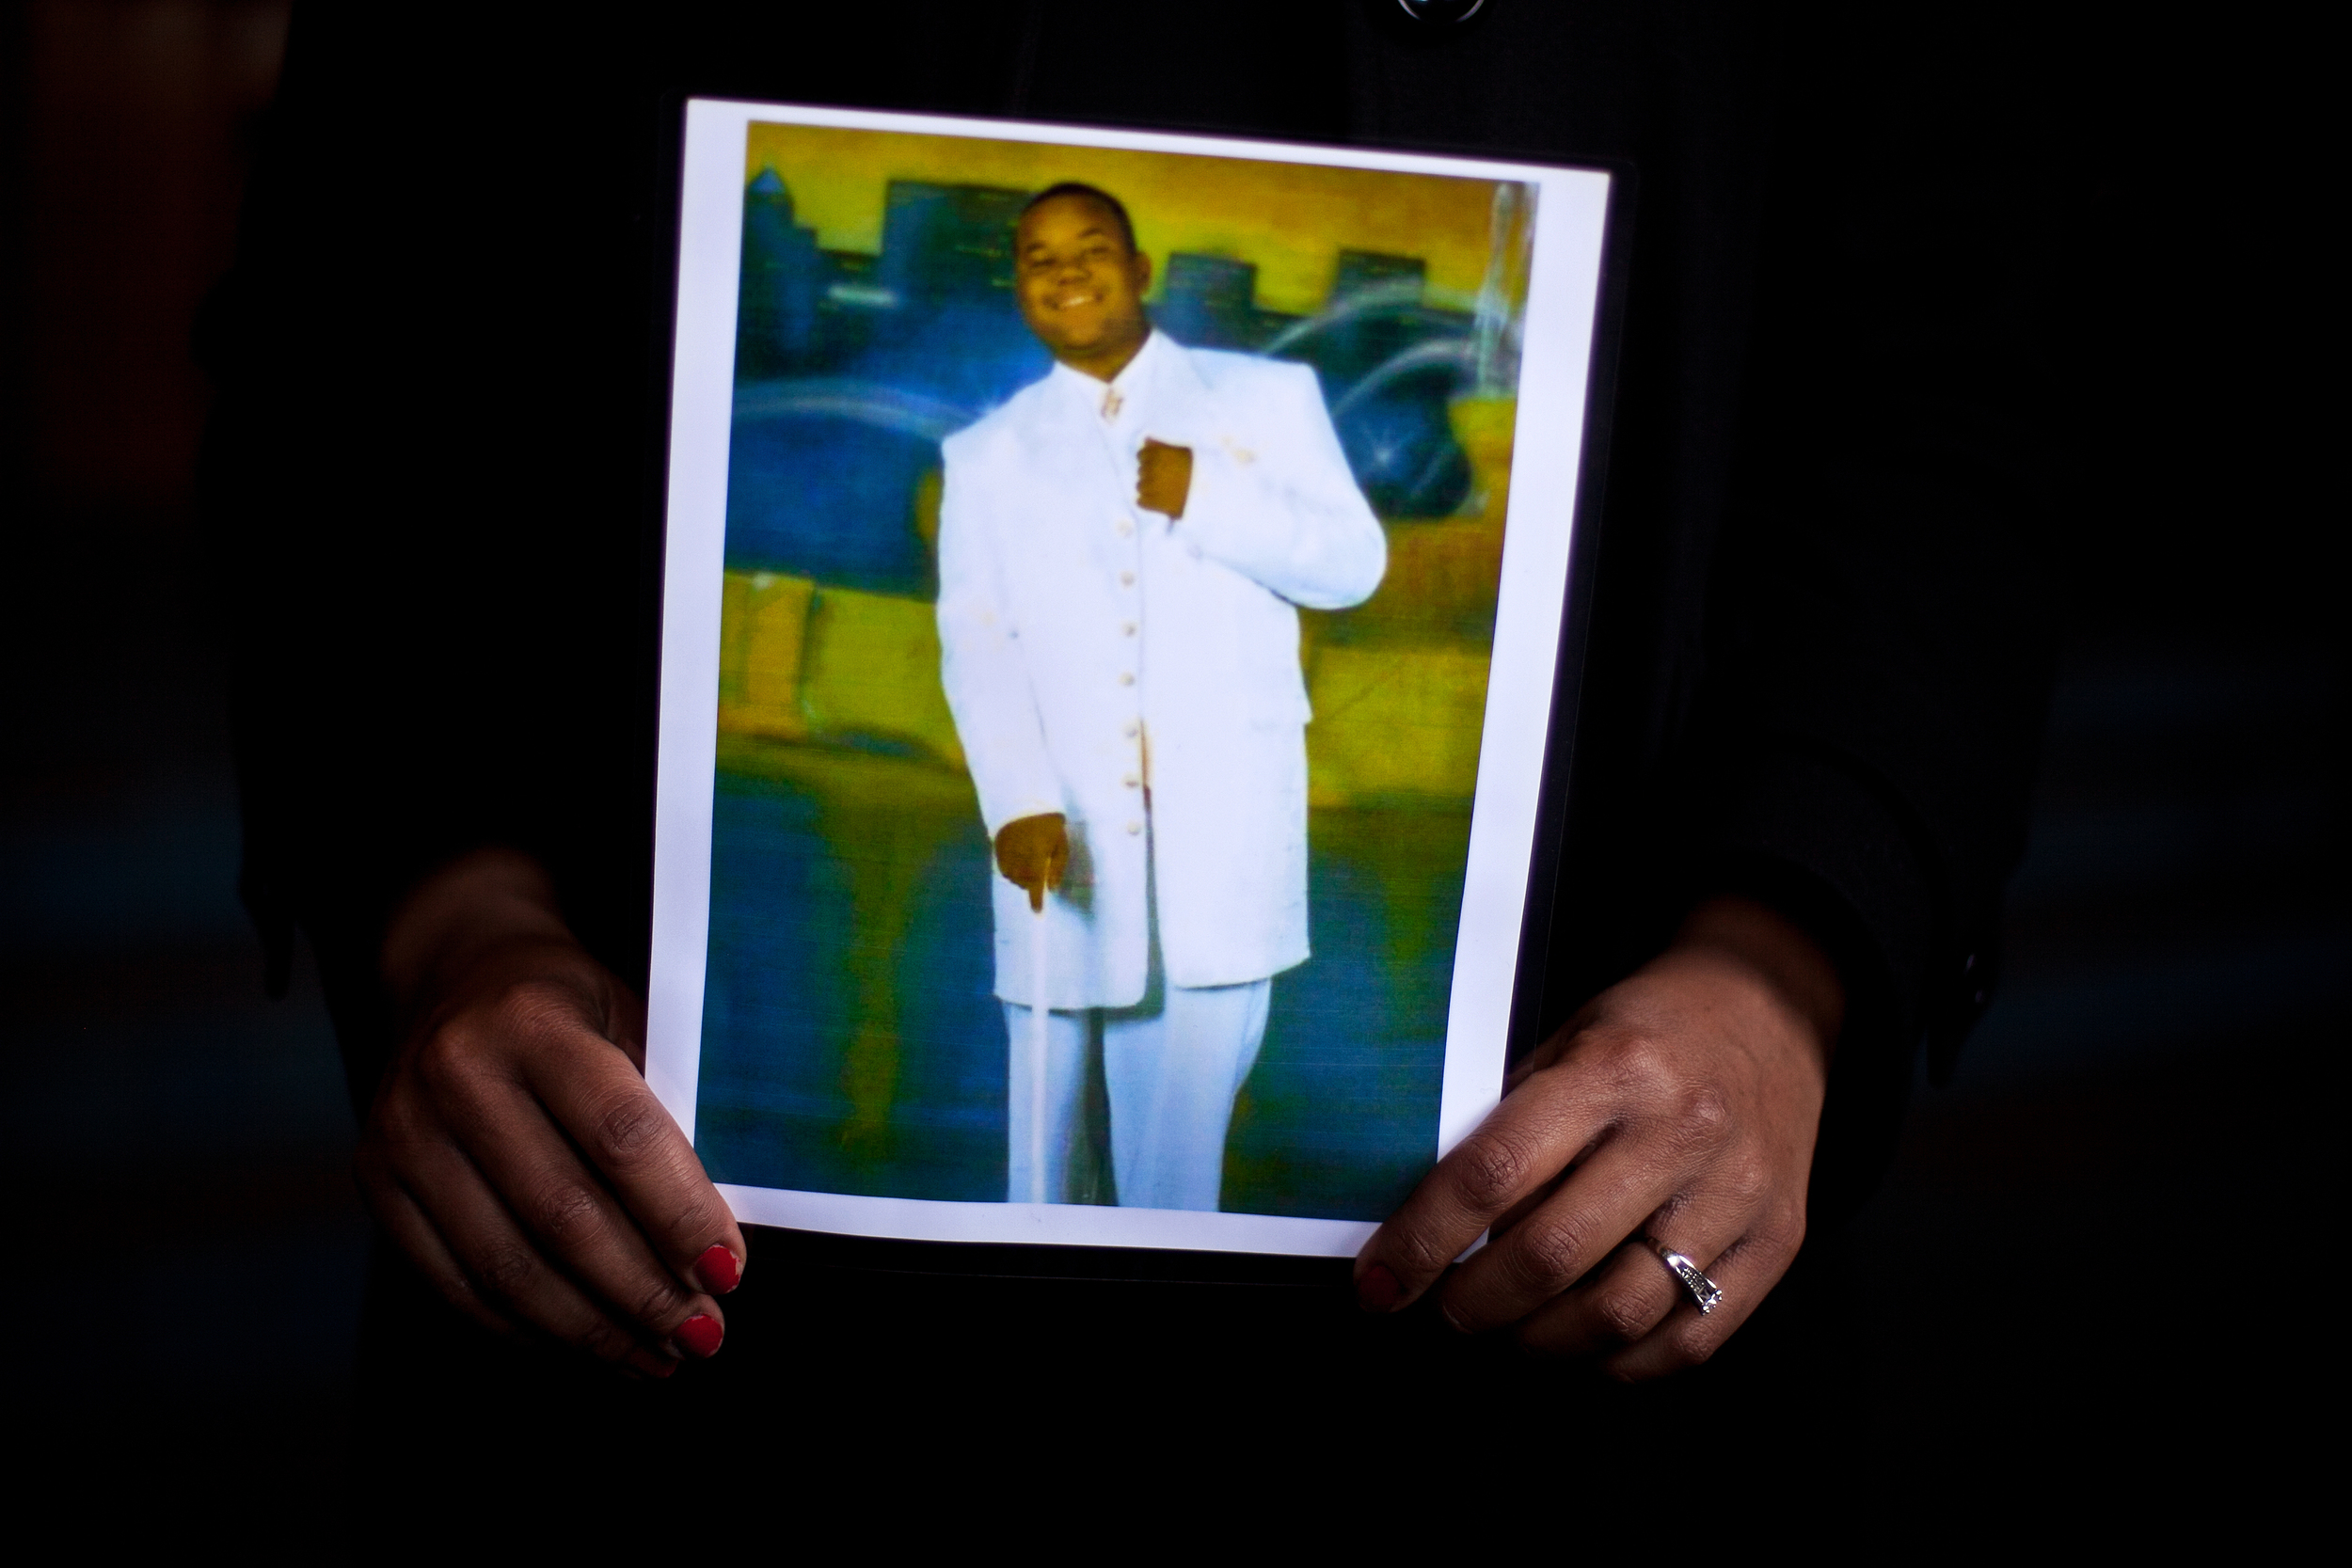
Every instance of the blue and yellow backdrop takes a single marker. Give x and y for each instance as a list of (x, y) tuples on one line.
[(850, 1042)]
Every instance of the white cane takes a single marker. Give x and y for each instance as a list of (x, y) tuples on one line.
[(1038, 1187)]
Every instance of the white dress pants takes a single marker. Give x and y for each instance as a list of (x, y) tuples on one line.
[(1171, 1066)]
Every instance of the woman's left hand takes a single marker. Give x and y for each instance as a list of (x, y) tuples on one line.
[(1681, 1105)]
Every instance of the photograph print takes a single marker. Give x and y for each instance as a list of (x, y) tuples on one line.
[(1090, 810)]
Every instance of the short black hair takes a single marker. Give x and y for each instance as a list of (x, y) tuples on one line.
[(1091, 193)]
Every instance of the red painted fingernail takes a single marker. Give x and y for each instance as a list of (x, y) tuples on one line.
[(700, 1334), (1378, 1289), (717, 1271)]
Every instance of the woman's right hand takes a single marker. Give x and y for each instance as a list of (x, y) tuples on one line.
[(514, 1151)]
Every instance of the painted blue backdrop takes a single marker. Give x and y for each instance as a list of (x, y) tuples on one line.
[(850, 1040)]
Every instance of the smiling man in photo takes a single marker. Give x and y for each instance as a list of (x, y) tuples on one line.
[(1122, 545)]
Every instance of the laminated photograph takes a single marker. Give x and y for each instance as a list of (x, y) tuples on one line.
[(1112, 604)]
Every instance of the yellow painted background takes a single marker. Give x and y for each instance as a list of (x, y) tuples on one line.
[(1291, 219), (833, 692), (812, 671)]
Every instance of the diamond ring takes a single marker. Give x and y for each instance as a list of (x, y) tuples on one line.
[(1704, 1293)]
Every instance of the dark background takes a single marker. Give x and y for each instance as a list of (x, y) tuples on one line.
[(2098, 1222)]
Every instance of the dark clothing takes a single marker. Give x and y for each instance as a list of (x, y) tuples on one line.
[(1821, 616)]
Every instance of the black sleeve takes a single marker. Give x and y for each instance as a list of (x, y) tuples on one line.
[(1886, 602), (422, 484)]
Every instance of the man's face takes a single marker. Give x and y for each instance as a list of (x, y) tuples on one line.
[(1081, 287)]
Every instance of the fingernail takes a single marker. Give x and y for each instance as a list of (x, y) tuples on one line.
[(717, 1271), (700, 1334), (1378, 1289)]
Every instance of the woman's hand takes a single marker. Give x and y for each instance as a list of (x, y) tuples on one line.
[(1681, 1105), (514, 1151)]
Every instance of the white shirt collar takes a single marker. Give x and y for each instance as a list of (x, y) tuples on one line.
[(1112, 401)]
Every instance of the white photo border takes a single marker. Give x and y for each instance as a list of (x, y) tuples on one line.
[(1562, 313)]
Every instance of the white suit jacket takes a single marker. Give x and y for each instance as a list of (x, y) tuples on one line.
[(1082, 636)]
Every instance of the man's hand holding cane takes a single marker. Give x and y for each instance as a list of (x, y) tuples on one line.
[(1033, 853)]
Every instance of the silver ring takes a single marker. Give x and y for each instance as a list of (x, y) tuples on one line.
[(1704, 1293)]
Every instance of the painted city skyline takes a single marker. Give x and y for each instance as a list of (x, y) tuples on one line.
[(851, 365), (847, 1003)]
